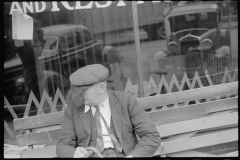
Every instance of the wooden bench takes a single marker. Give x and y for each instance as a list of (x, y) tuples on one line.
[(184, 128)]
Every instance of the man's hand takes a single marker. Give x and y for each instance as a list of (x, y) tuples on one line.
[(81, 152)]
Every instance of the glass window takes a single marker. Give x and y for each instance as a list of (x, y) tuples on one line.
[(73, 40), (87, 36), (78, 37), (51, 43), (70, 41), (194, 41), (198, 20)]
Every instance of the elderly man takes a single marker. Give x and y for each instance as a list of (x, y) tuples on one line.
[(109, 120)]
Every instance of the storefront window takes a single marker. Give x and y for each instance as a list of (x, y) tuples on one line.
[(198, 39), (70, 35), (183, 45), (64, 40)]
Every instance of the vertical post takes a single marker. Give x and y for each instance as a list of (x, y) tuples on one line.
[(138, 53), (30, 147), (229, 21), (9, 131)]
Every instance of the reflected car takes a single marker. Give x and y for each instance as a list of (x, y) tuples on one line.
[(194, 36), (199, 27), (67, 48), (67, 41)]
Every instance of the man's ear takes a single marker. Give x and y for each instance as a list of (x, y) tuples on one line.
[(103, 87)]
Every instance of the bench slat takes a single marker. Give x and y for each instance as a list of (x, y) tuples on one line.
[(38, 138), (188, 95), (198, 142), (191, 153), (51, 153), (38, 121), (180, 136), (231, 154), (46, 152), (163, 116), (200, 154), (208, 122), (157, 116), (47, 128)]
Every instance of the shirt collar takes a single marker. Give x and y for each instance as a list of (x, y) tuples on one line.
[(104, 105)]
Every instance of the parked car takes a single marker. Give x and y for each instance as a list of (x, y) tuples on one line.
[(67, 48), (193, 35), (194, 27), (67, 41)]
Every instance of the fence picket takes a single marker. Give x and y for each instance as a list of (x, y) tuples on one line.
[(9, 107), (31, 99), (191, 83)]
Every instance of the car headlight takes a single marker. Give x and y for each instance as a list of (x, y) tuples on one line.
[(159, 55), (205, 44)]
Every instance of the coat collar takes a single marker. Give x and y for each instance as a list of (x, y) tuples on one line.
[(104, 104)]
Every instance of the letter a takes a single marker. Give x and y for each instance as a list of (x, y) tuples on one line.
[(15, 9)]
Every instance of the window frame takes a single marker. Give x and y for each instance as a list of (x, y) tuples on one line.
[(65, 41), (84, 35)]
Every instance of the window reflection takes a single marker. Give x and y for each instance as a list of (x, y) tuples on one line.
[(199, 20), (75, 38), (51, 43)]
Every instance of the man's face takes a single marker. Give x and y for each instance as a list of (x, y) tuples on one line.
[(93, 94)]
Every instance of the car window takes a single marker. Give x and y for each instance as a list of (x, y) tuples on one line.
[(71, 40), (204, 16), (50, 44), (206, 20), (190, 17), (87, 36)]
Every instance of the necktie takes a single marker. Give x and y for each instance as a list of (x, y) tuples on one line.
[(99, 144), (116, 144)]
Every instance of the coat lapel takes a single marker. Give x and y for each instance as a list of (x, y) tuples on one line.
[(85, 120), (115, 115)]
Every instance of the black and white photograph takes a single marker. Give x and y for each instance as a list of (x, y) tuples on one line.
[(121, 79)]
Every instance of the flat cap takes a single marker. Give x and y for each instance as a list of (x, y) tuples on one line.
[(88, 75)]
